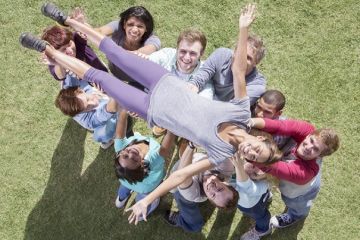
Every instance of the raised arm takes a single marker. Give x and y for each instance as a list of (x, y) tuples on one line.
[(121, 124), (238, 163), (166, 144), (239, 65), (297, 171), (297, 129), (174, 180)]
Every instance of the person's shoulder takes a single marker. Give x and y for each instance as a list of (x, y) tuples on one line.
[(167, 51), (223, 51), (221, 55)]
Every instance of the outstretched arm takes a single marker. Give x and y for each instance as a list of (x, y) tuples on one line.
[(175, 179), (239, 65), (121, 125), (296, 129), (238, 162)]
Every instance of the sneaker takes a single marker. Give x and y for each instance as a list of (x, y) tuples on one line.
[(121, 203), (158, 131), (171, 217), (107, 145), (52, 11), (282, 220), (252, 234), (33, 42)]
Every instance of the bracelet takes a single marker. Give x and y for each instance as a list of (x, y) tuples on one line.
[(191, 145)]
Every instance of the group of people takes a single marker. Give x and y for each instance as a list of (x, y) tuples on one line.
[(231, 128)]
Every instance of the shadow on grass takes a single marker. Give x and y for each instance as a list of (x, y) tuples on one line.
[(78, 205), (289, 233)]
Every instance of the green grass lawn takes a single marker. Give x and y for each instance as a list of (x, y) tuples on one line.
[(57, 184)]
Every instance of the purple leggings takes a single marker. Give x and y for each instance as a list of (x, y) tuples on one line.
[(142, 70)]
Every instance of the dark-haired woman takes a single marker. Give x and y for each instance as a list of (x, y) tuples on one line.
[(139, 163), (133, 32)]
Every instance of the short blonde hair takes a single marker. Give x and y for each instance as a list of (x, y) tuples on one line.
[(193, 35)]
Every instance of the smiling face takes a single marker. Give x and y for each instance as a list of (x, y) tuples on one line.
[(310, 148), (131, 157), (134, 29), (265, 110), (255, 150), (216, 191), (188, 55), (89, 101)]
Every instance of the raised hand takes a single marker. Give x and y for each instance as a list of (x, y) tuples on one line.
[(247, 15), (237, 160), (78, 14), (138, 210)]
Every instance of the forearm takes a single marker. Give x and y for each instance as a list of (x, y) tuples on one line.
[(295, 171), (147, 49), (167, 144), (176, 178), (258, 123), (297, 129), (112, 106), (241, 175), (240, 55), (239, 65), (121, 124), (186, 159)]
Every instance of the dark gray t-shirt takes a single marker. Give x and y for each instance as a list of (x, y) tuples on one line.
[(217, 70), (175, 107)]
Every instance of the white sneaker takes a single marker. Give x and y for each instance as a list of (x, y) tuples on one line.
[(107, 145), (252, 234), (121, 203), (282, 220)]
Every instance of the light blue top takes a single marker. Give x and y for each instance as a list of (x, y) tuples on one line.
[(99, 120), (250, 192), (166, 57), (155, 160)]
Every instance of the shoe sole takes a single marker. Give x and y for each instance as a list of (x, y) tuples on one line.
[(46, 14)]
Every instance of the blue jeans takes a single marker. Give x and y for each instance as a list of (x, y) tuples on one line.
[(190, 218), (259, 213), (299, 207), (125, 192)]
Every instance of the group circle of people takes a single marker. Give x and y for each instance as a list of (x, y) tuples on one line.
[(232, 134)]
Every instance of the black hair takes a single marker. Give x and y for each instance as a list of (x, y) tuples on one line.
[(274, 97), (131, 175), (141, 13)]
